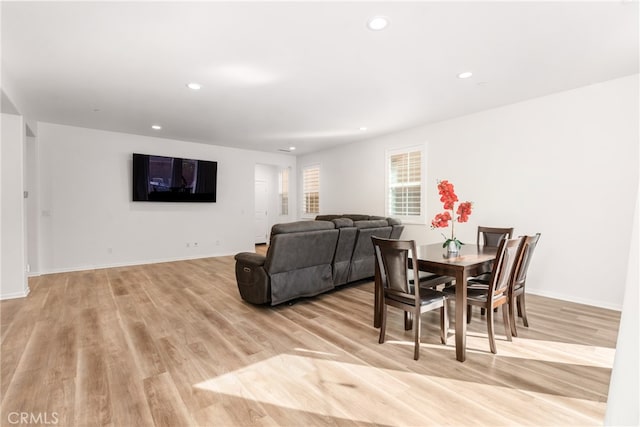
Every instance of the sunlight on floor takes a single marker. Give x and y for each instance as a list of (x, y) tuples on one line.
[(319, 384), (530, 349)]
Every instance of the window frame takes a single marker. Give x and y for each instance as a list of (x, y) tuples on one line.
[(303, 204), (283, 193), (421, 218)]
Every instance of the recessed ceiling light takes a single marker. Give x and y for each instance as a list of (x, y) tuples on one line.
[(156, 127), (292, 148), (378, 23), (465, 75), (363, 128), (194, 86)]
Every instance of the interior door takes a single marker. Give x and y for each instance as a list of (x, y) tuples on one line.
[(261, 212)]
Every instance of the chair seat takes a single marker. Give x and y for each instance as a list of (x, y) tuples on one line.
[(429, 280), (478, 286), (422, 275), (473, 294), (482, 279), (427, 297)]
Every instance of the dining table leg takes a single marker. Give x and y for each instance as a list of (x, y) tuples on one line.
[(461, 315)]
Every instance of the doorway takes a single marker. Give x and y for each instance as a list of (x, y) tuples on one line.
[(261, 212)]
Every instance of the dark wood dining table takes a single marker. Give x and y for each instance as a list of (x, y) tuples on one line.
[(471, 260)]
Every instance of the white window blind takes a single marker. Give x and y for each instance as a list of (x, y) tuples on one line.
[(283, 192), (405, 184), (311, 190)]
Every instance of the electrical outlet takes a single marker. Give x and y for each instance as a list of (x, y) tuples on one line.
[(217, 242), (195, 243), (188, 245)]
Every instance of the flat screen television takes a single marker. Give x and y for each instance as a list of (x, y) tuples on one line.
[(173, 179)]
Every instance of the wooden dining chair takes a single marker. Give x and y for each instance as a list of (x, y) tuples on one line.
[(396, 289), (498, 291), (491, 236), (519, 281)]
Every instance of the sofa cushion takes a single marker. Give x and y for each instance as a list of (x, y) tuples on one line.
[(342, 222), (327, 217), (373, 223), (356, 217), (394, 221), (298, 226), (344, 250), (363, 259), (303, 282)]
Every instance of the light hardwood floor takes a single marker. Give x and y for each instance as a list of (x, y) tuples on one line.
[(172, 344)]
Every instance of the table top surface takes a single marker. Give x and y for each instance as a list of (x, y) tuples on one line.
[(470, 254)]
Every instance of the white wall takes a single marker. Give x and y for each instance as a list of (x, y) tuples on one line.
[(87, 218), (32, 210), (624, 395), (13, 279), (271, 175), (565, 165)]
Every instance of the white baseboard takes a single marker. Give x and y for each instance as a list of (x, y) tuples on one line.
[(15, 295), (571, 298), (127, 264)]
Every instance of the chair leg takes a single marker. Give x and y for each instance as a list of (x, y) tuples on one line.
[(416, 327), (492, 338), (408, 321), (505, 319), (444, 322), (468, 314), (482, 310), (524, 310), (512, 316), (383, 323)]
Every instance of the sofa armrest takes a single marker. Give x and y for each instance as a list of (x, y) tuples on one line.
[(253, 281), (250, 258)]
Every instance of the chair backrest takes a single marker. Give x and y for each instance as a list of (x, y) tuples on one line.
[(392, 259), (528, 246), (502, 275), (491, 236)]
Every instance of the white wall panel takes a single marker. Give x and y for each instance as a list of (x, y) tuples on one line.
[(565, 165), (13, 278), (87, 218)]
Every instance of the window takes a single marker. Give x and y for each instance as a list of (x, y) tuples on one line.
[(283, 191), (405, 179), (311, 190)]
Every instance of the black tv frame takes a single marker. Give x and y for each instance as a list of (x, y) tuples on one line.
[(200, 187)]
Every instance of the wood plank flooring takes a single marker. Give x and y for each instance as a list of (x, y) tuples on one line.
[(173, 344)]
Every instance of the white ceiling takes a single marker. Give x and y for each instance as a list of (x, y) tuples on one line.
[(304, 74)]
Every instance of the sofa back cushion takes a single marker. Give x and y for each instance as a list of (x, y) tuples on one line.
[(299, 259), (327, 217), (362, 259), (344, 250)]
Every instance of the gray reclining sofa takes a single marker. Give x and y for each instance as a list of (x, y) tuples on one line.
[(307, 258)]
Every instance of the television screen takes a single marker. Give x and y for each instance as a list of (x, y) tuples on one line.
[(173, 179)]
